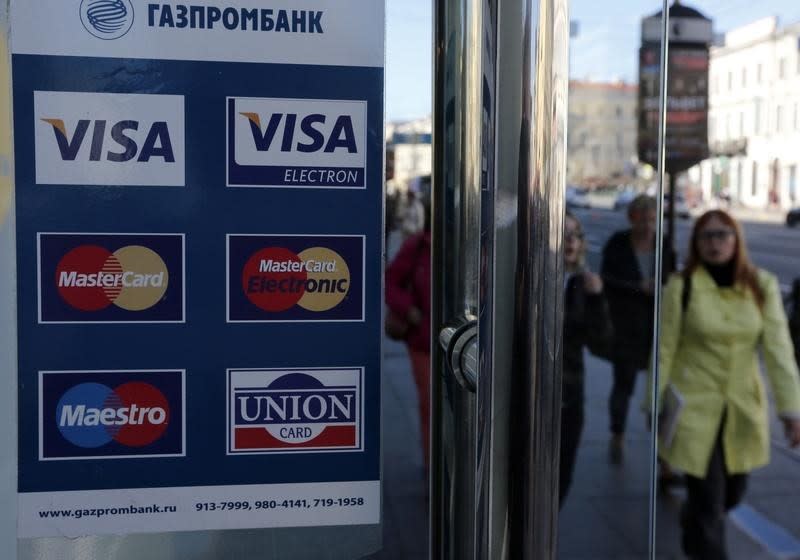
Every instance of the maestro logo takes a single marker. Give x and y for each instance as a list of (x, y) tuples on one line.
[(291, 411), (297, 143), (111, 414), (108, 278), (295, 278), (107, 19)]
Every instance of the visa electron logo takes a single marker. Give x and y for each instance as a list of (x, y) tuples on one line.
[(111, 278), (276, 279), (109, 139), (301, 143), (291, 411), (93, 414), (107, 19), (90, 414), (91, 278)]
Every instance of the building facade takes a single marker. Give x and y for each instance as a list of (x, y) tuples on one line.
[(754, 119), (601, 132), (408, 152)]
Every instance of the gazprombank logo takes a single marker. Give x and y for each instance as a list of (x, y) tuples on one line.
[(111, 278), (295, 278), (107, 19), (295, 410), (91, 414), (296, 143), (109, 139)]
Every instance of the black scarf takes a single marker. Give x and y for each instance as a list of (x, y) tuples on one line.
[(723, 274)]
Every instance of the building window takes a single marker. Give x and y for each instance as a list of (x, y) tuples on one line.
[(778, 118), (740, 178), (741, 124), (793, 191), (744, 77), (730, 81), (754, 183), (757, 118), (759, 74), (796, 116), (781, 68)]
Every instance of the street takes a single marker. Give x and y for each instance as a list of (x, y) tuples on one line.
[(774, 247)]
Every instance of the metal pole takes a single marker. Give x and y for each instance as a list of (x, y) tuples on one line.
[(662, 128), (501, 74)]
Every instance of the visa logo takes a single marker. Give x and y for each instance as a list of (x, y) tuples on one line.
[(156, 144), (109, 139), (297, 142), (313, 137)]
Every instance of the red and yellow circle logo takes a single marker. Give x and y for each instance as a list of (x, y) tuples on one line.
[(276, 279), (91, 278)]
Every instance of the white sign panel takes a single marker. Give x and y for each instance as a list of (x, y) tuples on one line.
[(323, 32)]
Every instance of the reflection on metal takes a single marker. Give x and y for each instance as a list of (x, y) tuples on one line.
[(461, 352), (499, 152)]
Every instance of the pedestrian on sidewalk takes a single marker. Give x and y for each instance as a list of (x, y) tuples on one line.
[(716, 315), (794, 319), (408, 296), (414, 214), (628, 271), (587, 323)]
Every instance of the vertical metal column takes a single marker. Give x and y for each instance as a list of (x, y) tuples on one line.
[(500, 113)]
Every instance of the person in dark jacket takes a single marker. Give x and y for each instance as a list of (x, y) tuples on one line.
[(586, 324), (794, 319), (628, 271)]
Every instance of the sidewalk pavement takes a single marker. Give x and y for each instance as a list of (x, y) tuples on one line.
[(405, 502), (605, 516)]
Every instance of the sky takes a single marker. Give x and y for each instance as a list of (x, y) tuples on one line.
[(607, 29)]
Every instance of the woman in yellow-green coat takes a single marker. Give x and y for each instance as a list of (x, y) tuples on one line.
[(716, 315)]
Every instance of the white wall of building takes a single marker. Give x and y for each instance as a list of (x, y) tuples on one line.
[(755, 96)]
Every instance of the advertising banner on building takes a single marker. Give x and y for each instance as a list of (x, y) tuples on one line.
[(198, 199)]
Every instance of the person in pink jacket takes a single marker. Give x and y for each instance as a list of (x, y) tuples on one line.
[(408, 295)]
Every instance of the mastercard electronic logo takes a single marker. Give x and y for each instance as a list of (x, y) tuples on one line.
[(111, 277), (295, 278), (276, 279)]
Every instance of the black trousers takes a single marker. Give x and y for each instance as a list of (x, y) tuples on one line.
[(709, 500), (571, 428), (625, 372)]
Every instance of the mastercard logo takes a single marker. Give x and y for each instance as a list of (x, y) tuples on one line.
[(92, 278), (275, 279)]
